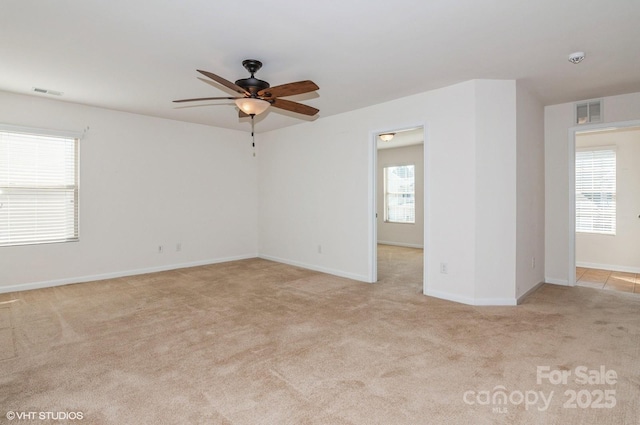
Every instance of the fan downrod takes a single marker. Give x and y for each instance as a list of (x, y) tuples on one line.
[(252, 65)]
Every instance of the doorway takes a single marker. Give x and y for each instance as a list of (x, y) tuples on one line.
[(605, 189), (398, 203)]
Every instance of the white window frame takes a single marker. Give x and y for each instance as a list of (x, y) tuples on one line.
[(390, 217), (599, 180), (39, 189)]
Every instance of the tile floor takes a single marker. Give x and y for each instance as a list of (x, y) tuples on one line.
[(606, 279)]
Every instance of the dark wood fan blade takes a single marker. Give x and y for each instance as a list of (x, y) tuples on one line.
[(224, 82), (205, 98), (288, 105), (289, 89)]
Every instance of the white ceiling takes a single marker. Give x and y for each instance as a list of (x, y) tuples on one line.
[(139, 55)]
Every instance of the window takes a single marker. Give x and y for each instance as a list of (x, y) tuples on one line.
[(399, 194), (38, 188), (596, 191)]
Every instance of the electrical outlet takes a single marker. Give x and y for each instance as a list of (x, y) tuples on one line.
[(178, 247), (444, 268), (160, 249), (319, 249), (533, 262)]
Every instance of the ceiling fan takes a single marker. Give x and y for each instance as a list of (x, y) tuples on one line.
[(257, 95)]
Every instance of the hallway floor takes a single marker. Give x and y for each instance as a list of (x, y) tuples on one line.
[(607, 279), (400, 267)]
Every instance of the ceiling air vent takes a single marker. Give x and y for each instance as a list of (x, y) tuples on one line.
[(45, 91), (589, 112)]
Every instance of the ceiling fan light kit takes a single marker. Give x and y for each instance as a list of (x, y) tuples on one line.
[(252, 106)]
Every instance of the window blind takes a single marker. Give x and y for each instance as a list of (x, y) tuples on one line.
[(38, 188), (399, 184), (596, 191)]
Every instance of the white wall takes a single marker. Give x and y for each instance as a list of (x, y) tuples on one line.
[(314, 190), (144, 182), (402, 234), (495, 190), (529, 192), (558, 121), (621, 251)]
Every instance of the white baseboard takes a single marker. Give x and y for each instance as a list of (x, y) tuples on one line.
[(448, 297), (496, 302), (556, 281), (406, 245), (529, 292), (313, 267), (612, 267), (472, 301), (113, 275)]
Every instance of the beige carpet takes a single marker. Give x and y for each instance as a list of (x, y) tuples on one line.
[(257, 342)]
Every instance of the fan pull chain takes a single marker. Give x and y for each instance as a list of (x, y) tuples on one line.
[(253, 136)]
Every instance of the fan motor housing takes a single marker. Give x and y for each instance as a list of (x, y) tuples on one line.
[(252, 84)]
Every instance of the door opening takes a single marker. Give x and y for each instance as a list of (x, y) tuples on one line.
[(605, 206), (398, 204)]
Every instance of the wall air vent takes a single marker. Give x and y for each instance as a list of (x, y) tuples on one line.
[(588, 112), (45, 91)]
